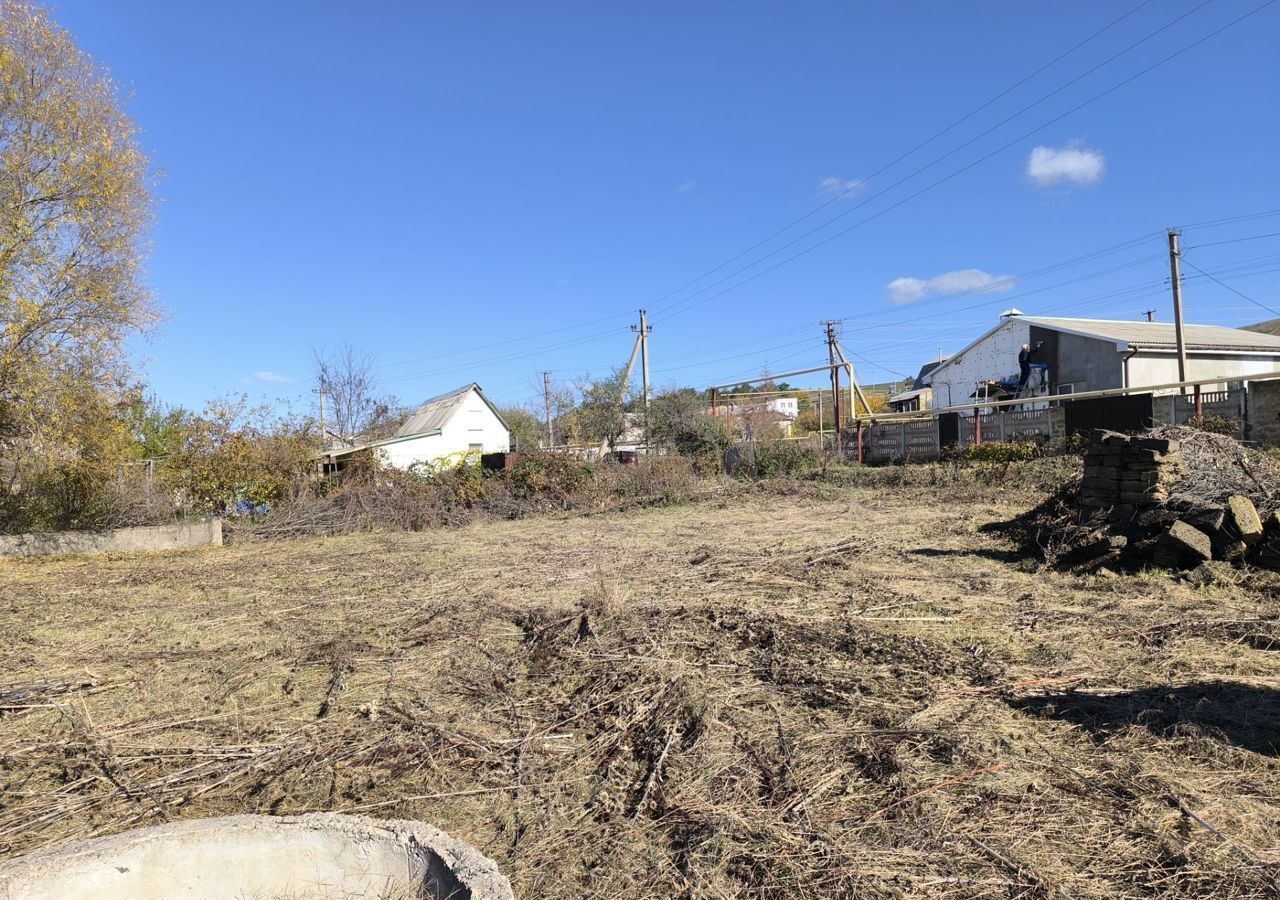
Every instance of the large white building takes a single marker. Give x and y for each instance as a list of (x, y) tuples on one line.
[(460, 422), (1076, 355)]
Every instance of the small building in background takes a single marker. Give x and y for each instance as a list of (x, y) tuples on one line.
[(787, 407), (459, 423), (919, 395)]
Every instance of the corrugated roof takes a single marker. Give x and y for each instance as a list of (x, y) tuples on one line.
[(907, 395), (1160, 335), (432, 415)]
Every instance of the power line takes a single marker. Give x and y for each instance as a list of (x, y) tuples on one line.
[(946, 178), (929, 140), (1274, 312), (1239, 240)]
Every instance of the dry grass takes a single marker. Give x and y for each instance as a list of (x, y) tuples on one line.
[(820, 692)]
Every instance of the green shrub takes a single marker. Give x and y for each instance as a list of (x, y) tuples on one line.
[(1012, 451), (1215, 425), (548, 476)]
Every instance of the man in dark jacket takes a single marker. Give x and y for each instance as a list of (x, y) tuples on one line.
[(1024, 363)]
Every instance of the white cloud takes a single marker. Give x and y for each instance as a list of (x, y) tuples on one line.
[(907, 290), (832, 187), (1073, 164), (268, 378), (687, 186), (904, 290)]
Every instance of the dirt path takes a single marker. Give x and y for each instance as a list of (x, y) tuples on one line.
[(826, 693)]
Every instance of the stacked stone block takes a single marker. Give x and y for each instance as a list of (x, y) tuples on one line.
[(1127, 474)]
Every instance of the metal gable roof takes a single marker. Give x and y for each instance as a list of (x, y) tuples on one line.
[(435, 413), (1161, 335)]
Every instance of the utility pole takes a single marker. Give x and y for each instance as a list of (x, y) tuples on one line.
[(324, 432), (626, 379), (1150, 314), (546, 397), (1175, 278), (643, 330), (835, 377)]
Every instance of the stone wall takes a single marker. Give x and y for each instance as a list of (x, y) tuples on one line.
[(121, 540), (1127, 474), (1264, 413)]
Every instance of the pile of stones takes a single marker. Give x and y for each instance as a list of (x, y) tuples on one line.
[(1138, 511)]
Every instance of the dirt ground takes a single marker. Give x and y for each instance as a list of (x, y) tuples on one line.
[(801, 691)]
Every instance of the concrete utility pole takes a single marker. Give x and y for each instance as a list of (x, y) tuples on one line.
[(546, 396), (324, 431), (644, 331), (626, 379), (1175, 278)]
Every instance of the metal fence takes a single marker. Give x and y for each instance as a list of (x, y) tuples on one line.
[(926, 439)]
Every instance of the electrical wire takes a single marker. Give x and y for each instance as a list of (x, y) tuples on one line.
[(673, 311), (1220, 283), (927, 141)]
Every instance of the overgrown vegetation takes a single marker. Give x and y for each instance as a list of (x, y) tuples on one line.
[(803, 691)]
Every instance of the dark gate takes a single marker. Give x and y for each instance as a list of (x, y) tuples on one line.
[(1131, 413), (948, 429)]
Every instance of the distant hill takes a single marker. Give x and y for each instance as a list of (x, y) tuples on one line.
[(1271, 326)]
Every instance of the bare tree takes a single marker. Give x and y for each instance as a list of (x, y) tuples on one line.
[(346, 376)]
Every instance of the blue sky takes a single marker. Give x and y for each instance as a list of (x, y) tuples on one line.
[(442, 184)]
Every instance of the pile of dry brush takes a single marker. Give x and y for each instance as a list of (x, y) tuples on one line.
[(1214, 468), (392, 500)]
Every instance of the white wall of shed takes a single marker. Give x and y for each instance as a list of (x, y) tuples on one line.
[(1147, 368), (473, 423)]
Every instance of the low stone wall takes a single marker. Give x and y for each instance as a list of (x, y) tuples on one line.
[(120, 540), (1127, 474)]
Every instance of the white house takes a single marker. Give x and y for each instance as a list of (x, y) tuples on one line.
[(787, 407), (1077, 355), (459, 422)]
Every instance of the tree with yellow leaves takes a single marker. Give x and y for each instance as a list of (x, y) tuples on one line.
[(74, 210)]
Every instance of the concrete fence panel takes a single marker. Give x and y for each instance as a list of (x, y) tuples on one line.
[(120, 540)]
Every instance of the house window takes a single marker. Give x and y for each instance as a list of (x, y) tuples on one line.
[(1066, 388), (475, 448)]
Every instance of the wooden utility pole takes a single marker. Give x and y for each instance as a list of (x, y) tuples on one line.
[(835, 378), (546, 396), (1175, 279), (1150, 314)]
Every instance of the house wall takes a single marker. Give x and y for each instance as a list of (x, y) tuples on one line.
[(994, 357), (474, 423), (1089, 364), (1162, 368)]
